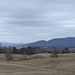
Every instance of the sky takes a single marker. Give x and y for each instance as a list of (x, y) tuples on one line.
[(25, 21)]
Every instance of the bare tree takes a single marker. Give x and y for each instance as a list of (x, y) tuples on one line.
[(9, 54), (55, 53), (29, 51), (25, 54), (14, 50)]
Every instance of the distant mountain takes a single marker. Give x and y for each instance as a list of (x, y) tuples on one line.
[(59, 43), (68, 42), (41, 43), (3, 44), (62, 42)]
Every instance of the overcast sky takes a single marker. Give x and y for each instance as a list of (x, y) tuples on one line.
[(24, 21)]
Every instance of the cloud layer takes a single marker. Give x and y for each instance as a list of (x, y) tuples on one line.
[(32, 20)]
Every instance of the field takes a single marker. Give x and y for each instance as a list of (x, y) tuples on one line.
[(39, 64)]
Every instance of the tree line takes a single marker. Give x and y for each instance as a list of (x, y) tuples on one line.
[(30, 51)]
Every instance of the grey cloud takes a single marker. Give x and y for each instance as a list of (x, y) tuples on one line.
[(31, 18)]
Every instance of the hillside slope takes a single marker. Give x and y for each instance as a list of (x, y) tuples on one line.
[(59, 42)]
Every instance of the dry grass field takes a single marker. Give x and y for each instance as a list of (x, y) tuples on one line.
[(39, 64)]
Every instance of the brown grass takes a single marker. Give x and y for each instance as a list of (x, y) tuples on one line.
[(40, 64)]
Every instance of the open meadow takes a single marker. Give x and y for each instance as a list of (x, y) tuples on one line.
[(39, 64)]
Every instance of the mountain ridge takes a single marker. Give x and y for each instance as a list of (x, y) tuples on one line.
[(57, 42), (68, 42)]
